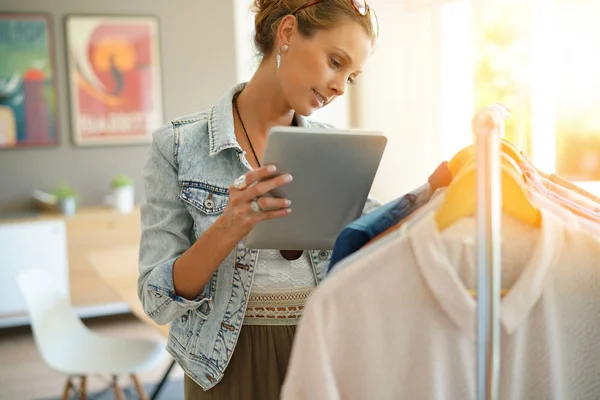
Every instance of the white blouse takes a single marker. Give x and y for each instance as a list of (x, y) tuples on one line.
[(400, 323)]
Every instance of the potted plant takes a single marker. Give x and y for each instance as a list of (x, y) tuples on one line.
[(66, 199), (123, 194)]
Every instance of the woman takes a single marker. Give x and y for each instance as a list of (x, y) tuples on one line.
[(195, 271)]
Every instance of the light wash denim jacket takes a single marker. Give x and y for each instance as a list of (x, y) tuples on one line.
[(193, 161)]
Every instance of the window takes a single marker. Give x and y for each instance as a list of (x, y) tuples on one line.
[(577, 66), (541, 59), (502, 50)]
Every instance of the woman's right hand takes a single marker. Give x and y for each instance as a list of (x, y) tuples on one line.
[(239, 217)]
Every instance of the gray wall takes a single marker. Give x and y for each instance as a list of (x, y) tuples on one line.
[(198, 65)]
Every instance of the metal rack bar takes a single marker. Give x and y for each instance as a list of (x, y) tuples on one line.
[(488, 127)]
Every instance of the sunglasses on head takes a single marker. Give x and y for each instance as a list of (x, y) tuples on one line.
[(361, 8)]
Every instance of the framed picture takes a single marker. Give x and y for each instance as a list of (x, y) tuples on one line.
[(28, 112), (115, 86)]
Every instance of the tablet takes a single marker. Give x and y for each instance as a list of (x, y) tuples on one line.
[(333, 172)]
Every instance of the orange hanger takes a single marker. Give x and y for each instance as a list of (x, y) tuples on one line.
[(456, 164), (460, 200), (473, 292), (465, 157), (510, 149), (458, 161)]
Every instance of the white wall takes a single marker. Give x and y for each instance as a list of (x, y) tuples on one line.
[(415, 92), (245, 52), (398, 95)]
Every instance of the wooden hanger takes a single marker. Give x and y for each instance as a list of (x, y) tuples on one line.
[(473, 292), (466, 156), (510, 157), (511, 150), (456, 164), (460, 200)]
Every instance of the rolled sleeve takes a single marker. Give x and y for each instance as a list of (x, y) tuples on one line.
[(167, 229), (167, 305)]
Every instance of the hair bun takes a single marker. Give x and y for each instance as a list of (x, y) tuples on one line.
[(325, 15), (260, 5), (268, 13)]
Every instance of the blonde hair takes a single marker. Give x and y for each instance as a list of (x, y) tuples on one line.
[(324, 15)]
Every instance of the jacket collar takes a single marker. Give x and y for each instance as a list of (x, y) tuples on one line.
[(220, 123)]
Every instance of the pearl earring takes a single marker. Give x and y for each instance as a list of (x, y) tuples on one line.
[(283, 48)]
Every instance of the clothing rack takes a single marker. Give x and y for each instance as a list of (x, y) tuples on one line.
[(488, 127)]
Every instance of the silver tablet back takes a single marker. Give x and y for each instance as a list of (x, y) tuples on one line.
[(333, 173)]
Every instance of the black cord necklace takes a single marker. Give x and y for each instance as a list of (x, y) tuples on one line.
[(287, 254), (237, 111)]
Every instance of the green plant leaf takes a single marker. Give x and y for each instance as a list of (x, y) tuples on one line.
[(121, 181), (64, 191)]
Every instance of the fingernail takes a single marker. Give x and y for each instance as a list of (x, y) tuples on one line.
[(288, 203), (289, 210), (288, 178), (271, 169)]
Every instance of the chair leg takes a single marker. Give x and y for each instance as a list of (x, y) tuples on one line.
[(158, 388), (68, 386), (117, 389), (140, 390), (83, 390)]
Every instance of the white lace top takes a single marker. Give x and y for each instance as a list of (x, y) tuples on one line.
[(275, 272)]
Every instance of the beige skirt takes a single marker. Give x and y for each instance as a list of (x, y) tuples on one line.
[(259, 362)]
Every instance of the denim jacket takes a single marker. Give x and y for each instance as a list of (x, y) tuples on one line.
[(193, 161)]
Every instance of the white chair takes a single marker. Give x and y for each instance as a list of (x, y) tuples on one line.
[(69, 347)]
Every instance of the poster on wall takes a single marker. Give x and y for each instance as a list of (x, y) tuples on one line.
[(27, 81), (114, 79)]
